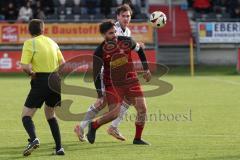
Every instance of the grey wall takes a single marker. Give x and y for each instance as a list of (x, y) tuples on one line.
[(217, 56)]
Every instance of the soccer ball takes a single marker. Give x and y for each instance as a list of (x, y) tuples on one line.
[(158, 19)]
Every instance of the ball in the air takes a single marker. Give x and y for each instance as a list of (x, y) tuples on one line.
[(158, 19)]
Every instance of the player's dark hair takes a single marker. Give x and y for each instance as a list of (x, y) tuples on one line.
[(106, 25), (123, 8), (35, 27)]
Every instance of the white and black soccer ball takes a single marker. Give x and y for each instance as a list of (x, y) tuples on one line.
[(158, 19)]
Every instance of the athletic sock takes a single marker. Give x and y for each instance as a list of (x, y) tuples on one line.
[(29, 127), (95, 125), (55, 132), (123, 110), (91, 113), (139, 129)]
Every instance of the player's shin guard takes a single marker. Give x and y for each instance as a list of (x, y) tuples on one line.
[(29, 127), (53, 124), (123, 110), (91, 113)]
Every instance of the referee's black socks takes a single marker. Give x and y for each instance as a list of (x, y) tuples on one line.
[(29, 127), (55, 132)]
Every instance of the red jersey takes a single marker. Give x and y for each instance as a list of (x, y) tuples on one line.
[(116, 59)]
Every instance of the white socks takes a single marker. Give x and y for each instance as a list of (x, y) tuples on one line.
[(91, 113), (123, 110)]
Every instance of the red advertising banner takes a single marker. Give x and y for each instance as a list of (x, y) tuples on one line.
[(70, 33), (10, 60), (9, 34)]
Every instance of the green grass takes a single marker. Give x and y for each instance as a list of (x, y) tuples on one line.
[(211, 132)]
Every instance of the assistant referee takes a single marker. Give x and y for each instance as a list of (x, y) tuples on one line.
[(41, 57)]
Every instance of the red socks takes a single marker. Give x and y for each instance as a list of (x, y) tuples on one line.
[(139, 129), (95, 125)]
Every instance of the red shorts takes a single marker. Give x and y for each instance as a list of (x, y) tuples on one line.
[(116, 94)]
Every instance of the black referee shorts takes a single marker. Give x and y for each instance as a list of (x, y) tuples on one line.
[(46, 87)]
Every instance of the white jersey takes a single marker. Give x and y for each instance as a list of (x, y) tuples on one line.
[(126, 33), (121, 32)]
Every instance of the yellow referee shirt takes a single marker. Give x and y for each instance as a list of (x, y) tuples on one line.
[(42, 53)]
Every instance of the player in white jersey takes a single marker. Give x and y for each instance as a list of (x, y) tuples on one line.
[(122, 31), (124, 13)]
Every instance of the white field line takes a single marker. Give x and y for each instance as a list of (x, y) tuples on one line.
[(223, 81)]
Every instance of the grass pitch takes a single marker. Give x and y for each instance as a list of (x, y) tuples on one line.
[(197, 120)]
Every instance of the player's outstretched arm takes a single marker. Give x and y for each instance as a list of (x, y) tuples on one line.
[(97, 65), (142, 45), (147, 74)]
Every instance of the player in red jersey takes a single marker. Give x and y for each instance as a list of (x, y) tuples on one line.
[(123, 13), (119, 77)]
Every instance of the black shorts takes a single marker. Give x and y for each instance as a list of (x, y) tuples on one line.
[(46, 87)]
